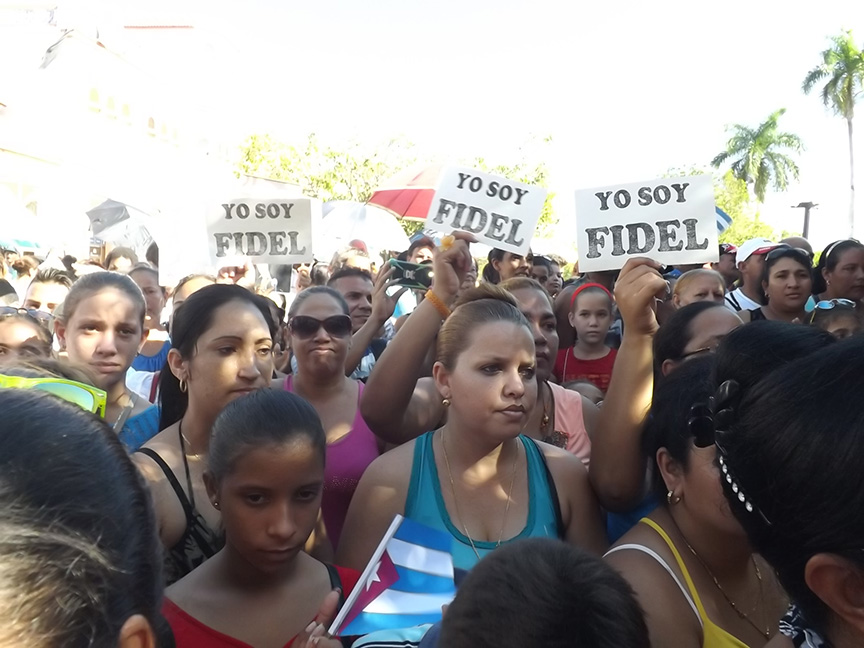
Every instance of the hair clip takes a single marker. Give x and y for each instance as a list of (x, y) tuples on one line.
[(701, 425), (738, 491)]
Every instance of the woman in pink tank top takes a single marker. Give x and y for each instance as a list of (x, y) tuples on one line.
[(320, 336)]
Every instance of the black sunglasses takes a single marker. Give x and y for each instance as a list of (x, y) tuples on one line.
[(40, 317), (787, 251), (305, 327)]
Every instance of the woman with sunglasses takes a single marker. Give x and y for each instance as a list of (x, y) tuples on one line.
[(840, 272), (222, 349), (102, 328), (319, 333), (689, 561), (787, 284), (840, 317), (648, 353), (24, 334)]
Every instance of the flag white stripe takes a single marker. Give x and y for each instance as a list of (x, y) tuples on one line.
[(394, 602), (422, 559)]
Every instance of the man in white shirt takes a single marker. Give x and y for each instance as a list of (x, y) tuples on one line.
[(751, 261)]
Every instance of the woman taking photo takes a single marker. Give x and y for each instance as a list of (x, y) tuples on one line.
[(222, 349), (266, 479), (840, 272), (476, 478), (319, 329), (689, 561), (787, 283), (102, 328)]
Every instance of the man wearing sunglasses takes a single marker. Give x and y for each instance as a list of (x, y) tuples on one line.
[(751, 261)]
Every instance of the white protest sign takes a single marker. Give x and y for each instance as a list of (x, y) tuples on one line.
[(264, 231), (671, 220), (501, 213)]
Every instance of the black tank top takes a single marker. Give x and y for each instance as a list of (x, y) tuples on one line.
[(199, 542)]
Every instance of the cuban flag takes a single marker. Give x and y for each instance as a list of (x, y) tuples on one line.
[(724, 220), (408, 579)]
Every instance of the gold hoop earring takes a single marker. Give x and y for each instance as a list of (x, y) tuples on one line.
[(183, 385), (672, 499), (446, 402)]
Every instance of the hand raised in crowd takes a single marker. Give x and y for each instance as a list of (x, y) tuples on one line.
[(450, 264), (315, 633), (384, 305), (638, 285)]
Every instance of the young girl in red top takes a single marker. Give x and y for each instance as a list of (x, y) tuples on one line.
[(590, 358), (265, 476)]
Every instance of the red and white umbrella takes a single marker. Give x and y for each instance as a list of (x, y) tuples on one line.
[(409, 193)]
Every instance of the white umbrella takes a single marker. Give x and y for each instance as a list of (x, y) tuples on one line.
[(346, 221)]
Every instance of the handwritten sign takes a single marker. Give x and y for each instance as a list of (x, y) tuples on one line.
[(671, 220), (499, 212), (264, 231)]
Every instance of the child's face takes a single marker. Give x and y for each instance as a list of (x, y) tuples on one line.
[(270, 502), (843, 327), (591, 317)]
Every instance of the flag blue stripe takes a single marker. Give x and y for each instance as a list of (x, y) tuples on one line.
[(724, 220), (420, 583), (419, 534), (366, 623)]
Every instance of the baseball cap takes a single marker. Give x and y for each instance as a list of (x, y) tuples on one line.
[(754, 246), (727, 248)]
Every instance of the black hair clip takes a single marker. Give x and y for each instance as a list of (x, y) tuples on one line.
[(701, 425)]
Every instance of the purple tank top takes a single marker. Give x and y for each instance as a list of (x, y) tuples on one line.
[(347, 460)]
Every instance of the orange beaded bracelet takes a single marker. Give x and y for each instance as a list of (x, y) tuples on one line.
[(439, 305)]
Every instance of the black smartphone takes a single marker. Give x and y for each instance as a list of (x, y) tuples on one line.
[(417, 276)]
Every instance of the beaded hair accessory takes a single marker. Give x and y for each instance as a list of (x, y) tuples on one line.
[(723, 412)]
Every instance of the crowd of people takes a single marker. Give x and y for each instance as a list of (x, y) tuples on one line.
[(654, 456)]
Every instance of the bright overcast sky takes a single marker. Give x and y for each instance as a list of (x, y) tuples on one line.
[(625, 89)]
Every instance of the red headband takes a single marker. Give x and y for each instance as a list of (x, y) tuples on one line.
[(585, 287)]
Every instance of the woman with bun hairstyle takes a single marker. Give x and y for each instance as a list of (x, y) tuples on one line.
[(477, 477), (790, 470)]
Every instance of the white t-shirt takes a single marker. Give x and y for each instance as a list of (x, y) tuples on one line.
[(738, 301)]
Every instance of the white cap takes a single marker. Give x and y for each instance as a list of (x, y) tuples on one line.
[(754, 246)]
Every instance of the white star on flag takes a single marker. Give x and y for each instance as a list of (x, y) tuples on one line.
[(374, 578)]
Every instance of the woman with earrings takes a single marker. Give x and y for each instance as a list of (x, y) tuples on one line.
[(222, 349), (477, 477), (840, 272), (689, 561), (787, 284), (319, 329)]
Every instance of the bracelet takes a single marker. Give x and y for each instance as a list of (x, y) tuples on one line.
[(439, 305)]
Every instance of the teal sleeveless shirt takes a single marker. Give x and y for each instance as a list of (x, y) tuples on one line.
[(425, 504)]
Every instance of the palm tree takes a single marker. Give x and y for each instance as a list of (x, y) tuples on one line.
[(843, 68), (758, 157)]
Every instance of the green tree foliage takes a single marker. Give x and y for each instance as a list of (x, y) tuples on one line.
[(324, 172), (530, 171), (354, 173), (733, 197), (842, 71), (758, 157)]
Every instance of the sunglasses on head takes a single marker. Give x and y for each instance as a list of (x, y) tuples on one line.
[(304, 326), (785, 250), (84, 396), (829, 304), (42, 318)]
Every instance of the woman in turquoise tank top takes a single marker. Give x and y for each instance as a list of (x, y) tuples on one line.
[(477, 477)]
